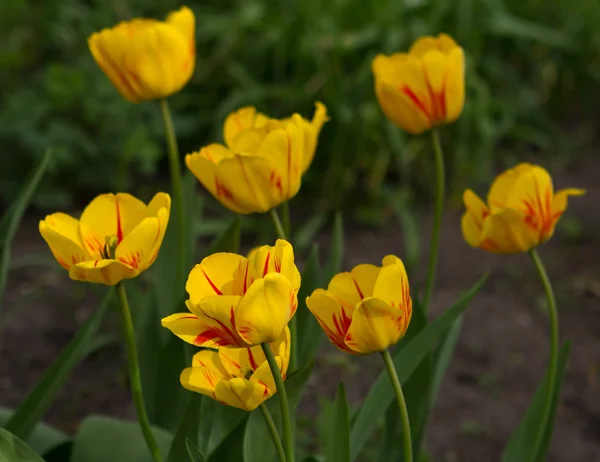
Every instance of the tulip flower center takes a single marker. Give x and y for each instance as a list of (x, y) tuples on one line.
[(110, 246)]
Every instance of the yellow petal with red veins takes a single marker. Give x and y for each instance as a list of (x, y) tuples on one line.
[(186, 326), (242, 393), (392, 287), (333, 317), (109, 215), (275, 259), (137, 249), (375, 327), (204, 375), (61, 233), (108, 272), (219, 325), (248, 184), (502, 186), (203, 164), (265, 310), (213, 276), (507, 232), (350, 288), (559, 202), (400, 109)]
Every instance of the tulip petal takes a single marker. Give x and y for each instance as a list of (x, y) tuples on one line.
[(242, 393), (334, 317), (392, 287), (241, 362), (275, 259), (375, 326), (559, 203), (213, 276), (203, 165), (185, 22), (186, 326), (61, 233), (250, 184), (436, 75), (136, 250), (160, 60), (351, 287), (241, 120), (507, 232), (502, 186), (473, 219), (217, 316), (108, 272), (312, 130), (454, 91), (107, 50), (204, 375), (109, 215), (400, 109), (265, 310)]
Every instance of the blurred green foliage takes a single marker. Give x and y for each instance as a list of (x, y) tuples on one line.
[(532, 78)]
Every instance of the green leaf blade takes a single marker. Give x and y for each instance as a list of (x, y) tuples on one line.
[(338, 441)]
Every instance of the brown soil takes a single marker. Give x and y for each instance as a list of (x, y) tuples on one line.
[(499, 361)]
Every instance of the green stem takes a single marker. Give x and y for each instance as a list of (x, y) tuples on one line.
[(134, 374), (280, 230), (552, 367), (389, 365), (437, 219), (176, 184), (274, 434), (277, 224), (285, 213), (288, 443)]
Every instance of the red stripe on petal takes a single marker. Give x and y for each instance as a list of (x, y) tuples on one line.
[(416, 101), (214, 287)]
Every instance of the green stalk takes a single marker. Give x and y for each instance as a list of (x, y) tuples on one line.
[(134, 374), (277, 224), (437, 219), (288, 442), (177, 186), (407, 441), (274, 434), (552, 368)]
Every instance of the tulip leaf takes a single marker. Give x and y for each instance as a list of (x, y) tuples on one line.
[(187, 431), (35, 405), (338, 438), (258, 445), (194, 452), (231, 449), (12, 449), (308, 327), (305, 235), (336, 246), (42, 438), (102, 438), (12, 218), (519, 447), (423, 386), (406, 361)]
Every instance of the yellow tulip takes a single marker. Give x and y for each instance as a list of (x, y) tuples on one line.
[(521, 213), (146, 59), (365, 310), (116, 238), (263, 159), (239, 302), (423, 88), (238, 377)]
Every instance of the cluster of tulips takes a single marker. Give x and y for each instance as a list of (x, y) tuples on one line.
[(240, 309)]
